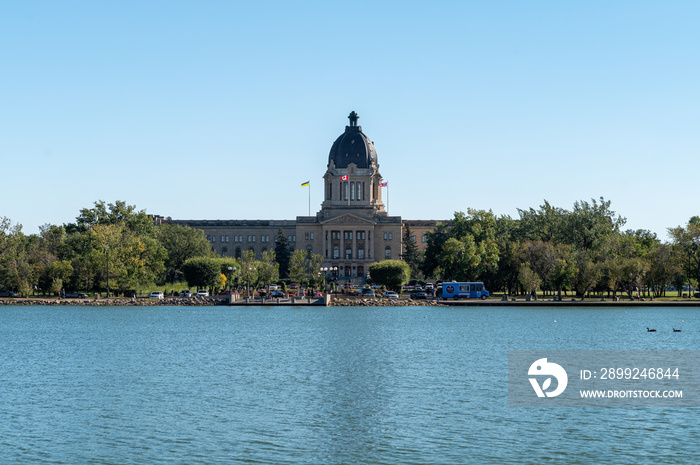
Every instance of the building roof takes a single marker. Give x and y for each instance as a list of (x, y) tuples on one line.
[(353, 146)]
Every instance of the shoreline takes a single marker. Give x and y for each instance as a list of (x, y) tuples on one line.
[(343, 301)]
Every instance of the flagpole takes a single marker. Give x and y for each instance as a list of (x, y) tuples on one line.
[(308, 184)]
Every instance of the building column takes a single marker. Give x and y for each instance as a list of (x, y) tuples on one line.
[(325, 252), (354, 248)]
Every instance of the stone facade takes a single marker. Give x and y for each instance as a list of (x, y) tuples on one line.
[(351, 231)]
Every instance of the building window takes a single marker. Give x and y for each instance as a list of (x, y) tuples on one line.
[(336, 252), (360, 253), (361, 235), (423, 238), (306, 236), (387, 253), (345, 191), (348, 253), (311, 235), (224, 251), (352, 191), (388, 236), (413, 238), (348, 235), (335, 235)]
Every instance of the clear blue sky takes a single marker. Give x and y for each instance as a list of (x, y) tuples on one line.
[(221, 109)]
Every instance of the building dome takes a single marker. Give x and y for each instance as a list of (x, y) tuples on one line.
[(353, 146)]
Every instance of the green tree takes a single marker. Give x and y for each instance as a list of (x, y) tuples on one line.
[(202, 272), (529, 280), (587, 272), (132, 259), (686, 243), (390, 273), (249, 270), (562, 274), (410, 251), (15, 269), (541, 258), (268, 268), (509, 260), (282, 253), (114, 213), (181, 243), (304, 267), (59, 271), (546, 224), (466, 250), (590, 223), (434, 242)]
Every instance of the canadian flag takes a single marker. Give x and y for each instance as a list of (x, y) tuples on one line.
[(344, 178)]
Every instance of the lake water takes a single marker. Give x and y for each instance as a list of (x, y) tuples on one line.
[(394, 385)]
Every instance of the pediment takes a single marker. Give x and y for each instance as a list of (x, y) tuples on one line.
[(348, 219)]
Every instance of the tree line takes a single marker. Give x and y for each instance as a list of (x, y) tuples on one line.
[(553, 250), (548, 250), (119, 248)]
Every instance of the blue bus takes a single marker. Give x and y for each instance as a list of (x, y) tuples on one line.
[(458, 291)]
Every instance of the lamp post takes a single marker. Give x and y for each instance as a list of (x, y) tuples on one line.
[(324, 269), (334, 272), (231, 270)]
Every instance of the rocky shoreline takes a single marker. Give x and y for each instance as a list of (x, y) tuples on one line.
[(350, 302), (335, 301), (125, 302)]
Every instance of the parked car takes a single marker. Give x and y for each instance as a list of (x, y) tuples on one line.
[(202, 293), (418, 294), (276, 293), (367, 292), (186, 293), (156, 295), (390, 295), (75, 295), (274, 287), (8, 294), (227, 292)]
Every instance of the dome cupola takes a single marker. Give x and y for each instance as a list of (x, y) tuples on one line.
[(353, 146)]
